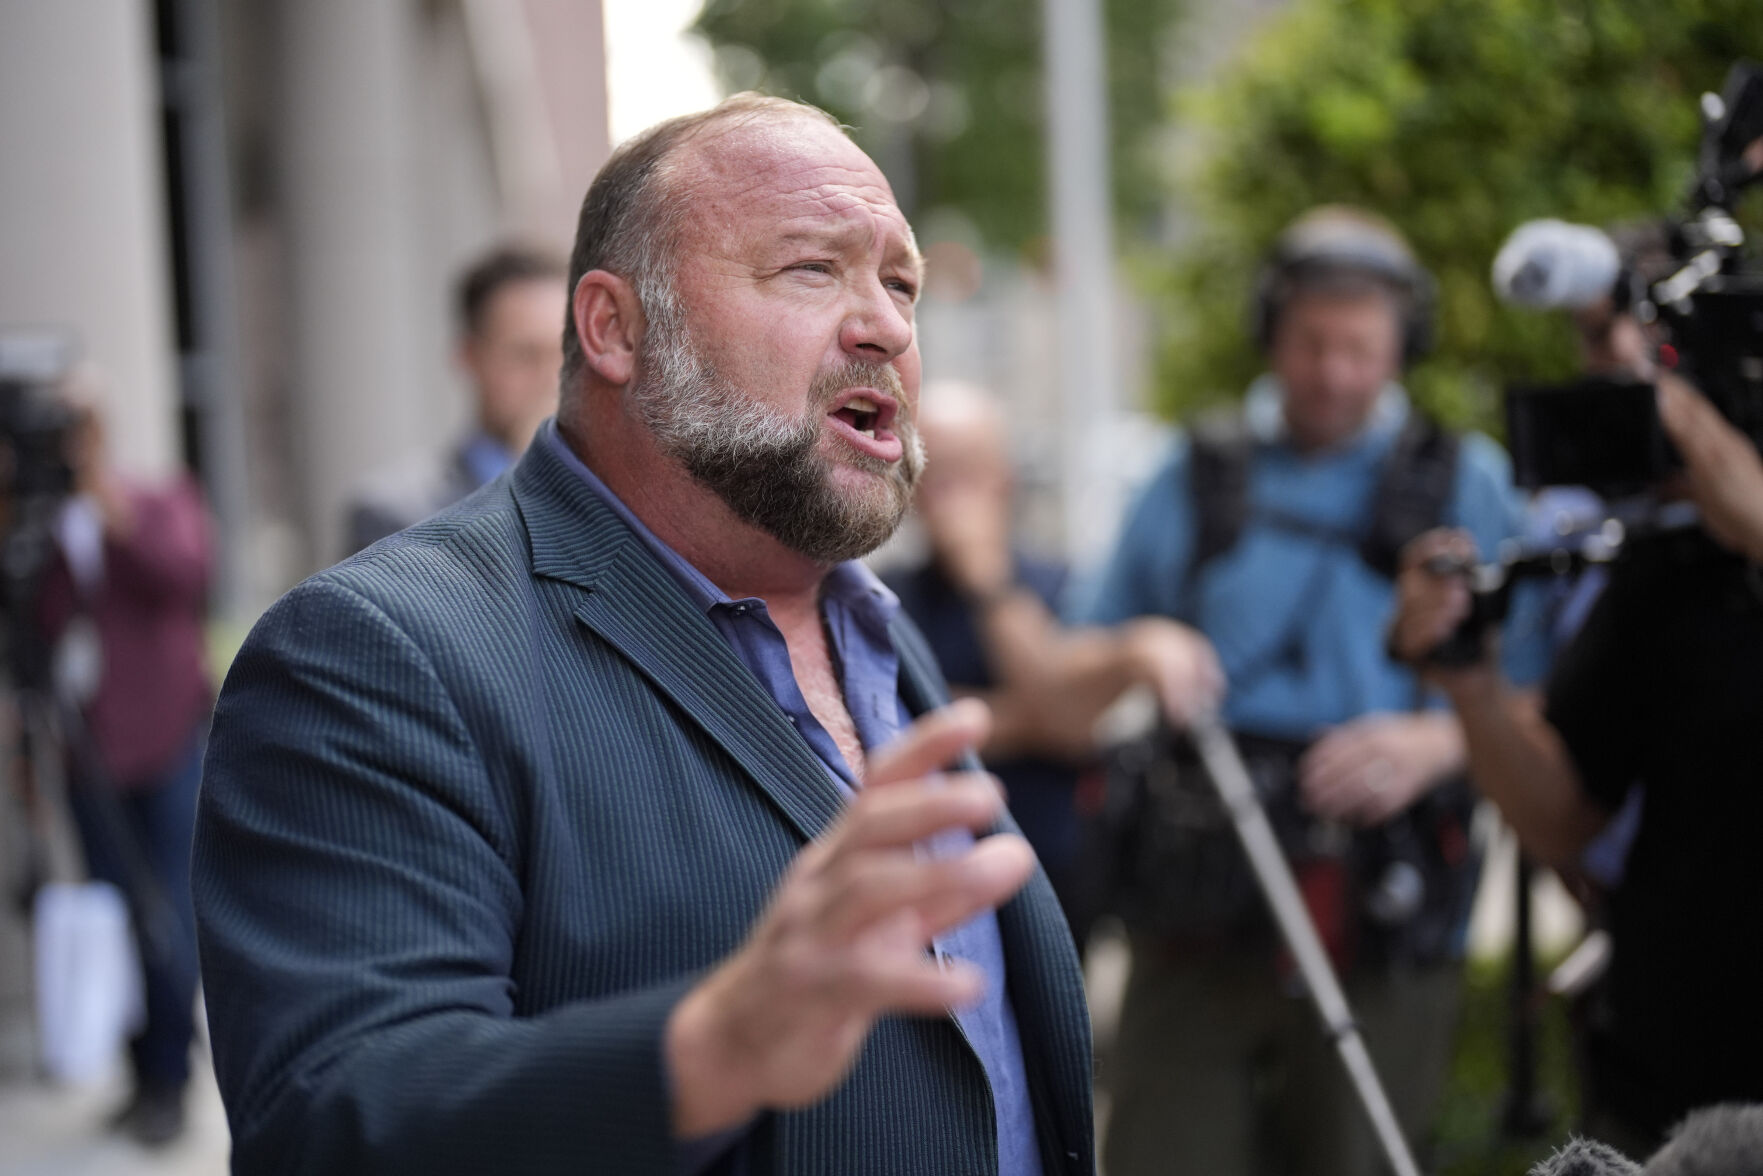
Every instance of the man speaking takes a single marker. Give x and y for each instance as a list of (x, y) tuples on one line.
[(593, 825)]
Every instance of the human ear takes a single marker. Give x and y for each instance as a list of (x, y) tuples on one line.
[(608, 325)]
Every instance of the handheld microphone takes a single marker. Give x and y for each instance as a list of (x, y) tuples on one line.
[(1549, 264)]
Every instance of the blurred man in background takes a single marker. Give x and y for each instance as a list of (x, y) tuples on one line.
[(1275, 533), (125, 601), (508, 304), (990, 612)]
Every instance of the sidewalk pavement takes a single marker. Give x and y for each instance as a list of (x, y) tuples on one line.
[(48, 1130)]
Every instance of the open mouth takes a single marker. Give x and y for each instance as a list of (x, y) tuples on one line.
[(861, 413), (866, 419)]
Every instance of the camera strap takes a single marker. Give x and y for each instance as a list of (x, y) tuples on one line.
[(1413, 490), (1414, 485)]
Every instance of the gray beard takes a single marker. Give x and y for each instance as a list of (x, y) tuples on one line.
[(766, 465)]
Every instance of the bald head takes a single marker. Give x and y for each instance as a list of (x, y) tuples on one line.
[(962, 425), (633, 214)]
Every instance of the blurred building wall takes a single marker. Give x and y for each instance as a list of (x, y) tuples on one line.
[(362, 386), (382, 145), (370, 149), (367, 149), (82, 217)]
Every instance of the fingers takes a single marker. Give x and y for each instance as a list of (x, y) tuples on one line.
[(1382, 804), (1449, 542), (931, 743), (1363, 794), (1331, 754), (1179, 663), (1336, 774), (1208, 673), (1361, 772), (941, 893), (921, 986), (898, 816), (1431, 602), (780, 1022), (1427, 619), (893, 972)]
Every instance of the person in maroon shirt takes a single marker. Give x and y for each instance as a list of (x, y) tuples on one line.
[(123, 604)]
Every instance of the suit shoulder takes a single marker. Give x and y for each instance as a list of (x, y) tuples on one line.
[(478, 545)]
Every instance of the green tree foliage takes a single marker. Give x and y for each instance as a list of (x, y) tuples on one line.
[(1458, 119), (947, 96)]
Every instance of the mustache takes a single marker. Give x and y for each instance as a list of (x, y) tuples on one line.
[(832, 383)]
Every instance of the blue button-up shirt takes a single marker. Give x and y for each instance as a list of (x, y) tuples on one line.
[(857, 609)]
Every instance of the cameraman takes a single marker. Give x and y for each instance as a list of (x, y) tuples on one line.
[(1662, 689), (1276, 534), (124, 602)]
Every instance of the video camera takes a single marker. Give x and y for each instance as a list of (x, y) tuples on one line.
[(35, 479), (34, 418), (1605, 434)]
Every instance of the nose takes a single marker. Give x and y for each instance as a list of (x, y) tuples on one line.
[(1338, 372), (878, 326)]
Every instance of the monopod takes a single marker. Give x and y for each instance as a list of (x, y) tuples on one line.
[(1224, 764)]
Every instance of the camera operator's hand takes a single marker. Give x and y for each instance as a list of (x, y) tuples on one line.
[(1367, 770), (1432, 600), (1722, 471), (88, 460), (1176, 661), (1612, 342)]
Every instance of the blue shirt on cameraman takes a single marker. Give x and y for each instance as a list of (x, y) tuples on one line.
[(1298, 619)]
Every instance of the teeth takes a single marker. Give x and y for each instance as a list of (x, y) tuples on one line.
[(870, 433), (862, 404)]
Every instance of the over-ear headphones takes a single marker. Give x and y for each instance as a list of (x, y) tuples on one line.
[(1337, 243)]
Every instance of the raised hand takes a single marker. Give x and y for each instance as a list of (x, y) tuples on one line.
[(843, 942)]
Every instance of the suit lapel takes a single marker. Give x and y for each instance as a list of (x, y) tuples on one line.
[(630, 601), (637, 607), (640, 610), (1046, 983)]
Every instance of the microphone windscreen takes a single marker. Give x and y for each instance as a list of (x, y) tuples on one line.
[(1546, 264)]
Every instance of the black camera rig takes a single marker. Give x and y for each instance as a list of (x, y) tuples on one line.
[(1606, 435), (35, 480)]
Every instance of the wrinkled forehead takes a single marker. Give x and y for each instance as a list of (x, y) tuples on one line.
[(788, 176)]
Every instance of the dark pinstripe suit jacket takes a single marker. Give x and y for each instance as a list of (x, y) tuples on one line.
[(480, 805)]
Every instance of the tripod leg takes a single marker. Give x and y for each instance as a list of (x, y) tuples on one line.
[(1224, 764)]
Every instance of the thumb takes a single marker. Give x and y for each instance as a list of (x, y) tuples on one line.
[(931, 743)]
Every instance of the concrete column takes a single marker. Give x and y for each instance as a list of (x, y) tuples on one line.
[(1083, 263), (82, 221), (569, 43), (347, 183)]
